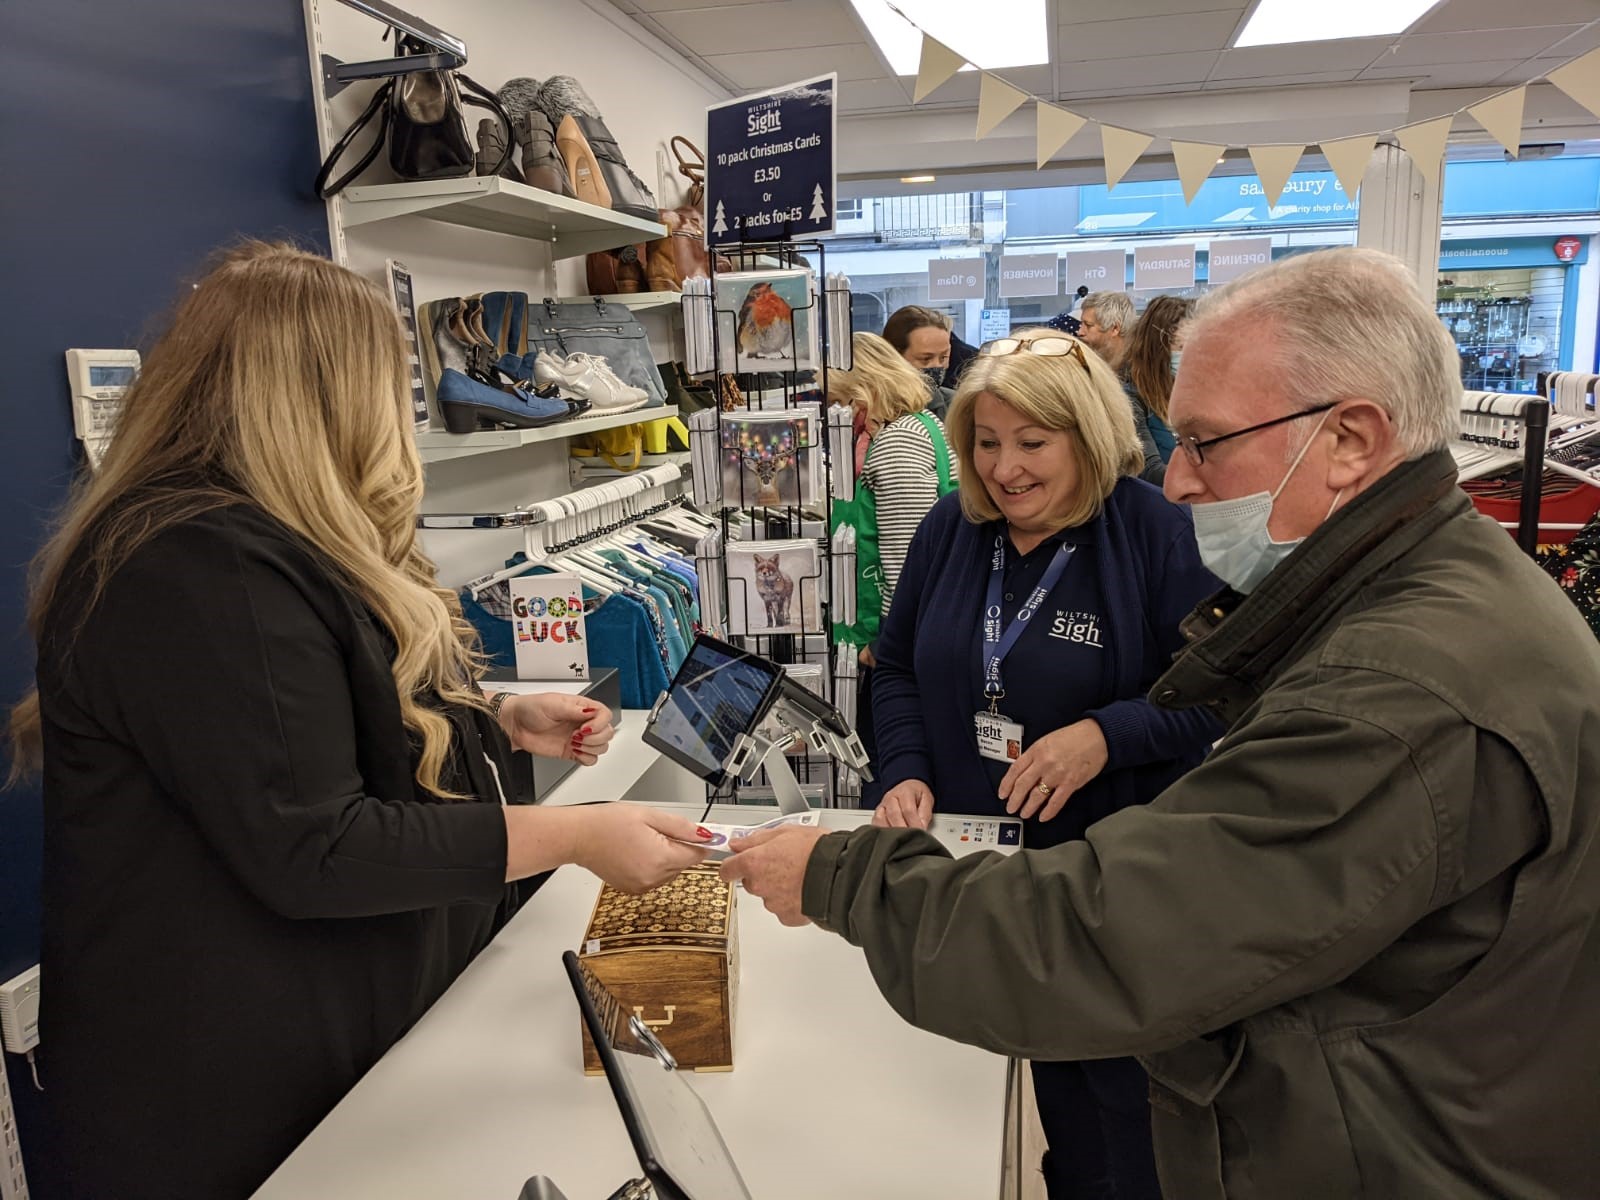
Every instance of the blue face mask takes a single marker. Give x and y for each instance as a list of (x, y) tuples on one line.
[(1176, 355), (1232, 534)]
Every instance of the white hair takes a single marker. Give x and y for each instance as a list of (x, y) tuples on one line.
[(1351, 323), (1112, 310)]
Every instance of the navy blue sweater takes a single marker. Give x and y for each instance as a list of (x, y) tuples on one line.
[(1102, 638)]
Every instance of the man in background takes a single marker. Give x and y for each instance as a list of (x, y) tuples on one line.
[(1107, 320)]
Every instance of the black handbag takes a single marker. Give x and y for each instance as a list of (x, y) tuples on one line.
[(420, 118)]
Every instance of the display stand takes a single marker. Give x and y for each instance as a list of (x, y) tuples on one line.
[(777, 487)]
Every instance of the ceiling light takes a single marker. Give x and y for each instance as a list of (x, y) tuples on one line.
[(917, 178), (1276, 22), (1013, 33)]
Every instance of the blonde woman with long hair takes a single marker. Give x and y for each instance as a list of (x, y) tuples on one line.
[(902, 472), (275, 828)]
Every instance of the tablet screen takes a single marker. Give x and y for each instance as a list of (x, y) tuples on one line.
[(718, 693), (671, 1128)]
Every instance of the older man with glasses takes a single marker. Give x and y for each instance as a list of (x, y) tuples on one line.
[(1357, 949)]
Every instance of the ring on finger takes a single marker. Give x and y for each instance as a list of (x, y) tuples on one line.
[(1044, 789)]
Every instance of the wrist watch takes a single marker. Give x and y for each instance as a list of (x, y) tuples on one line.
[(495, 701)]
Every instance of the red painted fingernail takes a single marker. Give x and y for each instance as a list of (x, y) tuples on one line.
[(704, 834), (589, 712), (585, 731)]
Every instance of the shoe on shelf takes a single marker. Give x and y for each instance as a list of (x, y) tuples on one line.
[(588, 183), (588, 377), (542, 165), (469, 405)]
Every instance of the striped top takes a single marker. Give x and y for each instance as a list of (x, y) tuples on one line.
[(903, 476)]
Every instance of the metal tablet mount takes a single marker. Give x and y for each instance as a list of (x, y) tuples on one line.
[(795, 708)]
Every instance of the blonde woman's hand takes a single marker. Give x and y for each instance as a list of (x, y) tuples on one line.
[(634, 848), (1053, 768), (553, 725), (907, 805)]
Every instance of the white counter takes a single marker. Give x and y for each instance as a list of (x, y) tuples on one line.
[(832, 1094)]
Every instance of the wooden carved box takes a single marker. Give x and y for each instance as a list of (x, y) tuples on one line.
[(672, 957)]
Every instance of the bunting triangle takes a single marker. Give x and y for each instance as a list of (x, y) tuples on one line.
[(1502, 117), (1122, 148), (1425, 143), (1196, 161), (1349, 158), (1274, 165), (997, 100), (938, 64), (1580, 79), (1057, 127)]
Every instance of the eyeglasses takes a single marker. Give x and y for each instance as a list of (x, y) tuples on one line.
[(1195, 450), (1043, 347)]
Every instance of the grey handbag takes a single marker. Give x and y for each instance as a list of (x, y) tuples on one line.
[(610, 331)]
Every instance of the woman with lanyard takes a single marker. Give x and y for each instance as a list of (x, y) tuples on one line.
[(1036, 607)]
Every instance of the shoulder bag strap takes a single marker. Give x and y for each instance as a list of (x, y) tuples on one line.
[(378, 107), (941, 451)]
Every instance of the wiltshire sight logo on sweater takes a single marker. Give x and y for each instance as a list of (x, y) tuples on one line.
[(1080, 627), (548, 625)]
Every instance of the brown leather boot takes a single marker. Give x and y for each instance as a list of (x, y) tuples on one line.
[(541, 165), (588, 184)]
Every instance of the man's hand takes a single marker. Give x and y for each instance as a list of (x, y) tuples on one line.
[(907, 805), (1060, 763), (553, 725), (772, 865)]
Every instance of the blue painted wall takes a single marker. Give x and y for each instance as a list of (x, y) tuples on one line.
[(139, 137)]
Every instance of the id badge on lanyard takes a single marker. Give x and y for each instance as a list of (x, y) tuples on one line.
[(999, 738)]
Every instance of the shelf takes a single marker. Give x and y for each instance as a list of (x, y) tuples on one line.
[(644, 301), (501, 206), (439, 446)]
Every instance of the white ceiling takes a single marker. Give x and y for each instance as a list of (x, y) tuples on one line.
[(1149, 48)]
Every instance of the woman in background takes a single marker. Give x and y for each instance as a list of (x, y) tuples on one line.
[(275, 813), (1147, 375), (922, 337), (902, 471)]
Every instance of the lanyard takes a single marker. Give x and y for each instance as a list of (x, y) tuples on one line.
[(995, 645)]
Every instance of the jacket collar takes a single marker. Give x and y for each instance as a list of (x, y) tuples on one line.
[(1237, 643)]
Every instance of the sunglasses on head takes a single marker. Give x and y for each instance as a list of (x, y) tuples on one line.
[(1055, 346)]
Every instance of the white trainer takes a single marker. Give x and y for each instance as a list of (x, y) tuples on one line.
[(588, 377)]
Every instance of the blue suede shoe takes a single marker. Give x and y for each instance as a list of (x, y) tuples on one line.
[(469, 405), (519, 367), (505, 320)]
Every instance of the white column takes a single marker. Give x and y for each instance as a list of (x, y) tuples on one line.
[(1400, 213)]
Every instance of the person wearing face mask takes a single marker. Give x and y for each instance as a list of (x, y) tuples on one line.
[(1358, 948), (1147, 374), (1084, 573), (922, 337)]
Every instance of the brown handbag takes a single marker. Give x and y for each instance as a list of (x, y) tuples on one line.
[(669, 260)]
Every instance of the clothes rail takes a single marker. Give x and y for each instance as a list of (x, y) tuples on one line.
[(549, 510), (1484, 421)]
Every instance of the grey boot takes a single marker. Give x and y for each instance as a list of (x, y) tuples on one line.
[(491, 146), (542, 166)]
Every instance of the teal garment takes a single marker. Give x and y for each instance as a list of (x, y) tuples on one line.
[(674, 590)]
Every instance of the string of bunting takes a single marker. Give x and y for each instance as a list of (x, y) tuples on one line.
[(1424, 141)]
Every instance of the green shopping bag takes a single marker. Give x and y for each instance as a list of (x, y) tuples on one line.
[(861, 512)]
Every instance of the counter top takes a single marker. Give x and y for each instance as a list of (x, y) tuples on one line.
[(831, 1093)]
